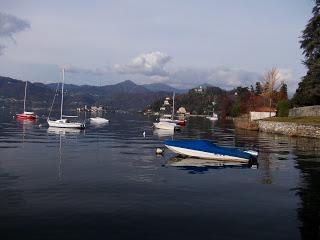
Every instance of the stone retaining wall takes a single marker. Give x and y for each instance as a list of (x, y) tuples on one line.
[(309, 111), (291, 129), (243, 122)]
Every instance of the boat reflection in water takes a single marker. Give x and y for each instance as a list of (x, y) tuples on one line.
[(27, 125), (201, 165), (64, 131), (163, 132), (26, 121)]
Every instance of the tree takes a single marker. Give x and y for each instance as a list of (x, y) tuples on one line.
[(283, 108), (283, 93), (258, 88), (251, 89), (234, 110), (270, 85), (308, 92)]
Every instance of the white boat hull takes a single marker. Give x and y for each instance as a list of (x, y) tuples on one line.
[(205, 155), (212, 118), (163, 132), (98, 120), (196, 162), (178, 122), (165, 125), (65, 124), (169, 120)]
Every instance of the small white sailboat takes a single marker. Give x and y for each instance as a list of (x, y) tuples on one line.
[(64, 122), (167, 123), (98, 120), (25, 115), (214, 116)]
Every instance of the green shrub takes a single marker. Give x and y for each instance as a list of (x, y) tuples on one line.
[(283, 107), (234, 110)]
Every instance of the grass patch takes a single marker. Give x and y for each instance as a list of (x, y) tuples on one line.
[(301, 120)]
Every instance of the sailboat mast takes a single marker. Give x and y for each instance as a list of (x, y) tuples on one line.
[(25, 96), (213, 103), (62, 87), (173, 105)]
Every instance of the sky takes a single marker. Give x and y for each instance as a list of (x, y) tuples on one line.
[(183, 43)]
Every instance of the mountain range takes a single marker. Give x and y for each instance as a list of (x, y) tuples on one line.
[(125, 95), (153, 87)]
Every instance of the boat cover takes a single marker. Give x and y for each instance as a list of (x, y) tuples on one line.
[(207, 146)]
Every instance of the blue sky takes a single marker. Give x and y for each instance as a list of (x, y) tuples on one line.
[(182, 43)]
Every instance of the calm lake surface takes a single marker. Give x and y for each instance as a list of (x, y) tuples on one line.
[(107, 183)]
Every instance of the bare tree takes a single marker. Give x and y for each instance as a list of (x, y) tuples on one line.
[(271, 84)]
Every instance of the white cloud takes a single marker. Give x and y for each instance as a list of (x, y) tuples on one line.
[(148, 64), (9, 26), (286, 75), (93, 71), (223, 77), (152, 68), (2, 47)]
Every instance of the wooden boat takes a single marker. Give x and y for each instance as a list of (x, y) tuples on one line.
[(208, 150), (25, 114)]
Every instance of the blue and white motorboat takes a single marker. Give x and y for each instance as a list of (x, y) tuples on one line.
[(208, 150)]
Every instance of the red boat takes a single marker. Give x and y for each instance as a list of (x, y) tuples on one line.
[(25, 115)]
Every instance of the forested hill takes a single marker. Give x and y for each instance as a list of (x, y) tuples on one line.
[(195, 102), (125, 95), (238, 101)]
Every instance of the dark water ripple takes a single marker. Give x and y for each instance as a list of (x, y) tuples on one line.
[(107, 182)]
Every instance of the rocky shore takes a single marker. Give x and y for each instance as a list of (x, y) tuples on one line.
[(290, 128)]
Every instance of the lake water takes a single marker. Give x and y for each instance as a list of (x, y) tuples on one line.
[(107, 183)]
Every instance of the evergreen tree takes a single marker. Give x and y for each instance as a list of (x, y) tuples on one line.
[(283, 108), (283, 93), (308, 92), (251, 89), (258, 88)]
